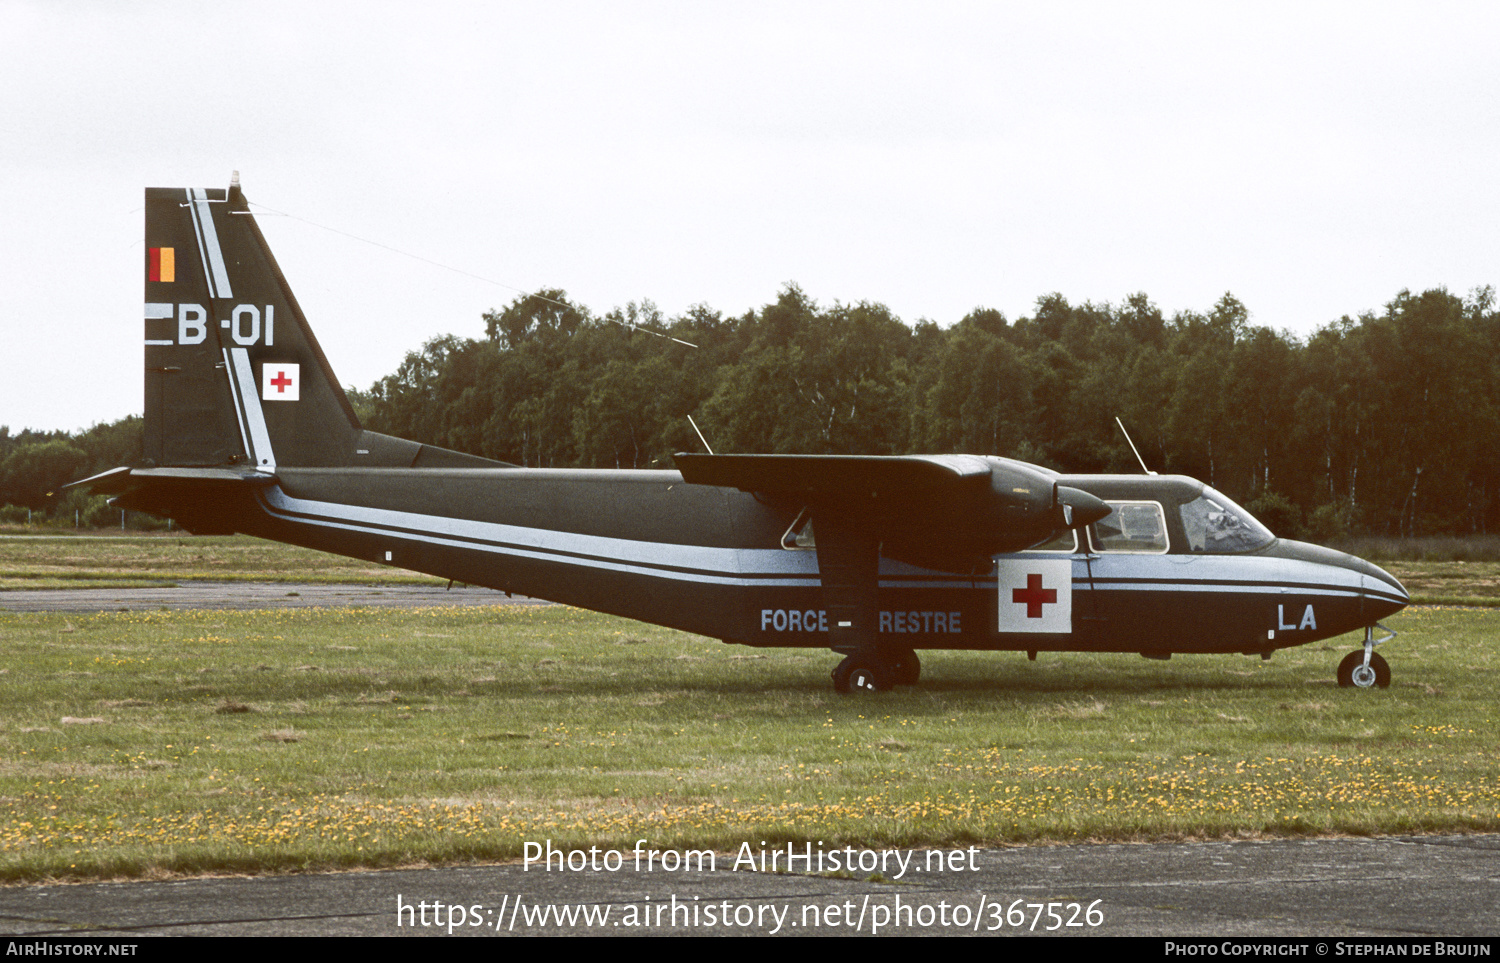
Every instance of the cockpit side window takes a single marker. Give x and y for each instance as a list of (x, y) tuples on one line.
[(1131, 527), (1217, 526)]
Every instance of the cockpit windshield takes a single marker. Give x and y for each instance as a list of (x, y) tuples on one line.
[(1217, 526)]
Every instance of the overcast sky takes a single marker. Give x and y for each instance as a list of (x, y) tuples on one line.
[(1313, 159)]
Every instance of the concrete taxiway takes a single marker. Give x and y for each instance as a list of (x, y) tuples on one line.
[(1435, 887), (251, 595)]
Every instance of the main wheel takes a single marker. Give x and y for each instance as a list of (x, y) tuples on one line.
[(869, 677), (841, 674), (906, 668), (860, 674), (1354, 672)]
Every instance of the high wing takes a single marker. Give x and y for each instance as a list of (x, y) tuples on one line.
[(831, 474), (951, 513)]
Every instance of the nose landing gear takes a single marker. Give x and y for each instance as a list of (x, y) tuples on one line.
[(1363, 668)]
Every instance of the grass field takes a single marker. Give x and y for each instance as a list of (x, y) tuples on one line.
[(183, 742), (193, 742)]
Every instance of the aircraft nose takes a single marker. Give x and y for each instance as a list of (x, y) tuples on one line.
[(1382, 590), (1381, 593)]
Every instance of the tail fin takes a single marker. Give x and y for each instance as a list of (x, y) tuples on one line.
[(234, 375)]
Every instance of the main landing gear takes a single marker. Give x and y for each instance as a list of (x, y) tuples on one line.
[(878, 671), (1363, 667)]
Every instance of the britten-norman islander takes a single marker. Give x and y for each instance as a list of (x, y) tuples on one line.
[(876, 558)]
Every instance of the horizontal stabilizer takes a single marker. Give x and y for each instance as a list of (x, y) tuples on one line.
[(200, 499), (120, 480), (110, 482)]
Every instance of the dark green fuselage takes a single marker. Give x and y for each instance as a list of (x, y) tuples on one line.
[(708, 559)]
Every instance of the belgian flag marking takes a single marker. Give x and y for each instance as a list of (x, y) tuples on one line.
[(163, 264)]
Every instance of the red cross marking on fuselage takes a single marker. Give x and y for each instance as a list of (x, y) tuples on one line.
[(1033, 596), (281, 381)]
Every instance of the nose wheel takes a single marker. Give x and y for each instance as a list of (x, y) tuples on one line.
[(1364, 668), (1354, 672)]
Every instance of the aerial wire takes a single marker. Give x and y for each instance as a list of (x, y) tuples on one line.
[(456, 270)]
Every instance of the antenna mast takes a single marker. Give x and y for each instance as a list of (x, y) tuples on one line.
[(1132, 446)]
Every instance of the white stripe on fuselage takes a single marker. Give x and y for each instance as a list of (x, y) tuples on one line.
[(1238, 574), (773, 567), (768, 568)]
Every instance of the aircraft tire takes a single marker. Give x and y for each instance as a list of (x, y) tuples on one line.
[(1352, 671), (906, 668), (861, 674), (841, 675), (869, 677)]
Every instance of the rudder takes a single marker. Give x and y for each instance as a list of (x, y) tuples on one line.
[(234, 375)]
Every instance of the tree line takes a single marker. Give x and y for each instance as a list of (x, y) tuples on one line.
[(34, 465), (1376, 424)]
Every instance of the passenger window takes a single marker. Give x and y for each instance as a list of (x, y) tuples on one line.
[(1131, 527)]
